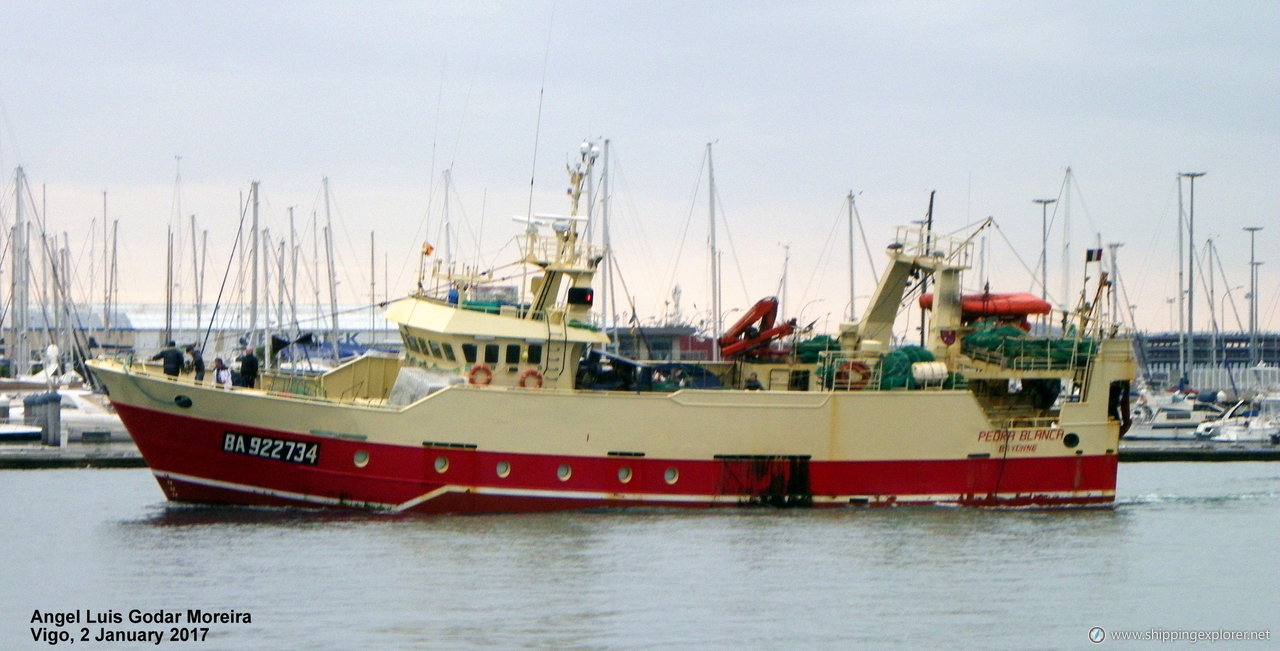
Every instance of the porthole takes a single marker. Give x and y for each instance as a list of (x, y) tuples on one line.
[(564, 472), (182, 401), (361, 458), (504, 469), (1071, 440), (624, 474), (672, 476), (442, 464)]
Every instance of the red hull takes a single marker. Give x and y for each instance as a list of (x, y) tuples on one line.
[(188, 458)]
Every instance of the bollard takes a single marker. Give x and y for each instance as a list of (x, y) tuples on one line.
[(45, 411)]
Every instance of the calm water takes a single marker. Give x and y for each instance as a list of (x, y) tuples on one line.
[(1192, 546)]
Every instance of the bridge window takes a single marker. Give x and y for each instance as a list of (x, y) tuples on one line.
[(491, 353), (535, 353), (469, 353), (513, 353)]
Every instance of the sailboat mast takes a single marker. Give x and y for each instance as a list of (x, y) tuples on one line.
[(315, 264), (715, 259), (333, 285), (195, 272), (106, 269), (168, 288), (266, 299), (253, 263), (1182, 332), (293, 273), (1191, 271)]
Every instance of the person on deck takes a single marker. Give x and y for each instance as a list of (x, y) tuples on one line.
[(197, 362), (221, 374), (753, 383), (171, 357), (248, 368)]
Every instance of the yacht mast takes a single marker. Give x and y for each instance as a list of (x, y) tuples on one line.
[(168, 287), (253, 259), (1182, 313), (1191, 270), (333, 284), (715, 260)]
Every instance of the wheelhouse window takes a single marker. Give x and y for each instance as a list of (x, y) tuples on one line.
[(435, 349), (513, 353), (469, 353), (408, 341), (535, 353), (448, 352), (491, 353)]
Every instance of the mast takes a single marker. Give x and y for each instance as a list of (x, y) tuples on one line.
[(1191, 272), (106, 270), (782, 293), (333, 285), (924, 280), (315, 263), (852, 307), (1066, 247), (280, 296), (1253, 296), (1044, 254), (448, 242), (168, 288), (610, 302), (195, 271), (293, 279), (1182, 313), (1115, 279), (266, 300), (1210, 252), (253, 261), (373, 288), (715, 260), (114, 276)]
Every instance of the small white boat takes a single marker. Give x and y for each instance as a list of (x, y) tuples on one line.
[(85, 416), (1171, 416), (1251, 421)]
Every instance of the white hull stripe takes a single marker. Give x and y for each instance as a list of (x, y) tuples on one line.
[(616, 497), (270, 492)]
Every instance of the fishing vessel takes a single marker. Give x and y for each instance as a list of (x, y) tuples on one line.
[(503, 404)]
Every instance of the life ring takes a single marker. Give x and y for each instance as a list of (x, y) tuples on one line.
[(480, 374), (531, 374), (852, 374)]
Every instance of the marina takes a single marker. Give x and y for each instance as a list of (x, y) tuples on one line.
[(1191, 541), (559, 324)]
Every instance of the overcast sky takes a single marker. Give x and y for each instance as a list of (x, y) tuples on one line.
[(986, 103)]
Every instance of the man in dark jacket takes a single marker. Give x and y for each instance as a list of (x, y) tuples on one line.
[(248, 368), (172, 359), (197, 362)]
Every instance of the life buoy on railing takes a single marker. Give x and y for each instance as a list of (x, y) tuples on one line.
[(480, 374), (531, 375), (852, 374)]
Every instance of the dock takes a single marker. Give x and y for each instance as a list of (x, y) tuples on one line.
[(1191, 450), (73, 455)]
